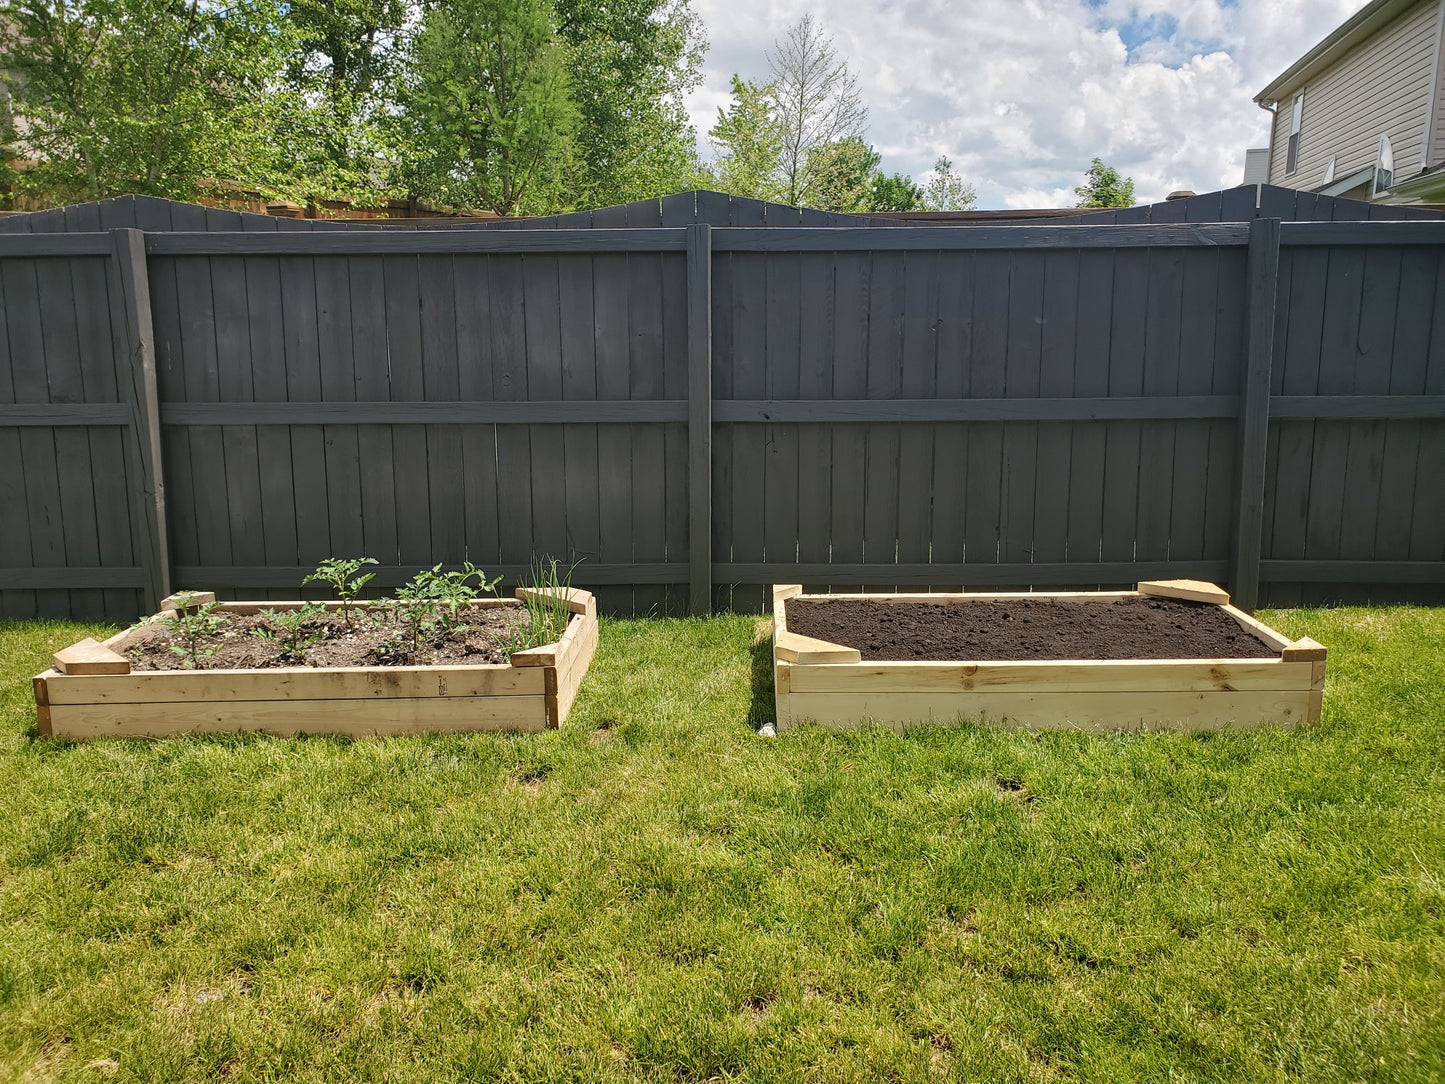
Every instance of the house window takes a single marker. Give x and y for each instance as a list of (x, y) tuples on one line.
[(1291, 161), (1384, 166)]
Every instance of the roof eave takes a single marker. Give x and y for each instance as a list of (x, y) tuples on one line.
[(1347, 35)]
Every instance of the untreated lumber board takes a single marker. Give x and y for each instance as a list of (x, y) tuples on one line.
[(298, 683), (287, 718), (794, 647), (1094, 712), (90, 657), (1194, 590), (1304, 650), (1251, 624), (1112, 675)]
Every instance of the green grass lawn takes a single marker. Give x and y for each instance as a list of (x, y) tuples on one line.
[(654, 893)]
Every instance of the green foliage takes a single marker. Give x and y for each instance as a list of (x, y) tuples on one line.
[(192, 624), (293, 629), (1103, 187), (895, 193), (652, 893), (841, 175), (547, 607), (749, 142), (630, 64), (341, 575), (432, 601), (946, 190), (486, 114), (149, 96)]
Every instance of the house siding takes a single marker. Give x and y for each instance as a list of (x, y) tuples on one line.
[(1382, 87)]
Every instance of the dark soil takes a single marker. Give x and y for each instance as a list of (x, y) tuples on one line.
[(239, 645), (1143, 628)]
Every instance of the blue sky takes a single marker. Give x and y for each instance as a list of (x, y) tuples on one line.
[(1022, 94)]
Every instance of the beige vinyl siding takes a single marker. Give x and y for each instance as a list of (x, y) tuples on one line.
[(1382, 87)]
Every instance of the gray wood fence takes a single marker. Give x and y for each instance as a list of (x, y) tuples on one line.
[(695, 411)]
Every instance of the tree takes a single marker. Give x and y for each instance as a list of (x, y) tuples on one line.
[(485, 110), (749, 142), (895, 193), (946, 190), (814, 98), (149, 96), (631, 63), (344, 55), (1103, 187), (840, 175)]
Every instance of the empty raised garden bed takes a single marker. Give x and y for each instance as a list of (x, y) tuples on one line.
[(1172, 655), (93, 691)]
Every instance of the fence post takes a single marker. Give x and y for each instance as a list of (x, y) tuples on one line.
[(699, 417), (1261, 287), (130, 300)]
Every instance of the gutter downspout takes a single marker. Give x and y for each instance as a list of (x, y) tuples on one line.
[(1273, 111)]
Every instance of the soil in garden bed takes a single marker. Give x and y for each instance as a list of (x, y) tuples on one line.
[(239, 645), (1143, 628)]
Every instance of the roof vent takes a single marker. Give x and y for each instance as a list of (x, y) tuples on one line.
[(1183, 193)]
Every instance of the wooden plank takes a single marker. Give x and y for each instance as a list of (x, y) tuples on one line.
[(579, 382), (288, 718), (409, 444), (953, 238), (699, 431), (1362, 233), (1114, 675), (675, 385), (1090, 712), (337, 377), (548, 654), (1022, 374), (1361, 407), (647, 380), (918, 378), (17, 596), (372, 382), (16, 246), (1128, 343), (1304, 650), (467, 412), (578, 601), (573, 668), (35, 491), (89, 657), (796, 648), (1196, 590), (782, 367), (950, 440), (1163, 315), (1039, 573), (1053, 443), (749, 286), (472, 284), (988, 377), (1198, 353), (785, 591), (297, 683), (1088, 446), (383, 242), (302, 363), (543, 338), (1251, 624), (614, 443), (59, 323)]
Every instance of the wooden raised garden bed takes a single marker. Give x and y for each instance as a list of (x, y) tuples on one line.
[(92, 692), (1274, 680)]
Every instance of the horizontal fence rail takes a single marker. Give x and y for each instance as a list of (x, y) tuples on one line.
[(687, 412)]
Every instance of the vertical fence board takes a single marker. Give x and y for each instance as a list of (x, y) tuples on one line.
[(579, 382), (346, 532), (472, 286), (373, 384), (1021, 380), (885, 376), (782, 362), (918, 379), (441, 382), (1088, 446), (1058, 334), (950, 441), (983, 501)]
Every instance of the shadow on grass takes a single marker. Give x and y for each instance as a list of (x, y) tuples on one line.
[(763, 707)]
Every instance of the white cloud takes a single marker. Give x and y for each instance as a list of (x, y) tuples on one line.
[(1022, 95)]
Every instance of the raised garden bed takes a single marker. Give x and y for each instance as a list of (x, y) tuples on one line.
[(1172, 655), (98, 690)]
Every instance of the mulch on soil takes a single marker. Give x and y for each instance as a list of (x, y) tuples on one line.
[(1144, 628), (237, 646)]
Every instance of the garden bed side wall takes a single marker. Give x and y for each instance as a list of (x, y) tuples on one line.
[(823, 683), (532, 693)]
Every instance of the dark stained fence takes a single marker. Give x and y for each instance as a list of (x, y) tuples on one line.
[(694, 403)]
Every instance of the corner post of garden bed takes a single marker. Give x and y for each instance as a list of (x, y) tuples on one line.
[(1261, 289), (699, 417), (135, 356)]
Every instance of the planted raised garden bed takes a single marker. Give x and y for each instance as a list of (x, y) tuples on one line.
[(1172, 655), (100, 690)]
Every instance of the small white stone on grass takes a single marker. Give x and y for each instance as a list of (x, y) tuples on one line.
[(767, 730)]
